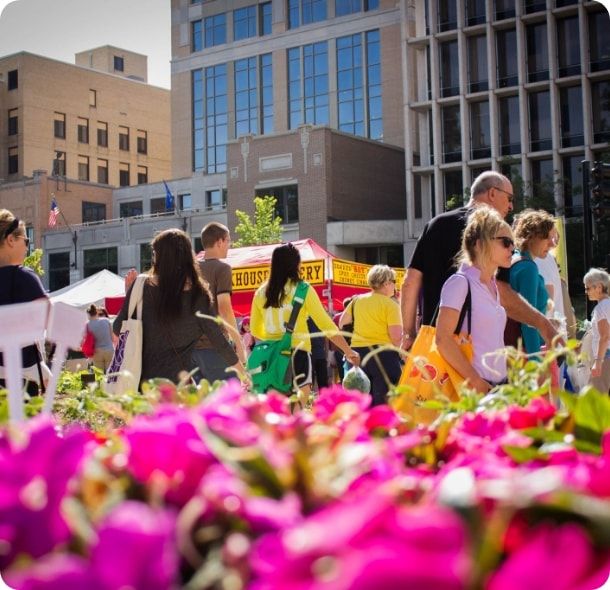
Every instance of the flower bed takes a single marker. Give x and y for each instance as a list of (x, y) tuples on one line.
[(234, 491)]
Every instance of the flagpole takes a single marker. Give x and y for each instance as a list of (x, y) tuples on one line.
[(72, 231)]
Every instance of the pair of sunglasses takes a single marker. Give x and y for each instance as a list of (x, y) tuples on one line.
[(506, 242)]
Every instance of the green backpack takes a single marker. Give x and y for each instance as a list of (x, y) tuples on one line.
[(270, 362)]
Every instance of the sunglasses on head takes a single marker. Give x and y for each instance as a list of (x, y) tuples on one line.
[(506, 242)]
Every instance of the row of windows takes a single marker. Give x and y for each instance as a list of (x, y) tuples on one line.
[(247, 22), (571, 133), (82, 133), (215, 199), (569, 61)]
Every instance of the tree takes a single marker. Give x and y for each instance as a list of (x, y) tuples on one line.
[(34, 261), (265, 228)]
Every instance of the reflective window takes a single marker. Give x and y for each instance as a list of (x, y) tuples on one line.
[(196, 36), (542, 181), (266, 77), (92, 211), (100, 259), (102, 171), (373, 75), (13, 160), (157, 205), (185, 201), (265, 18), (568, 46), (215, 199), (130, 209), (350, 84), (198, 119), (308, 84), (540, 121), (244, 23), (530, 6), (447, 15), (216, 110), (287, 201), (510, 142), (454, 189), (452, 141), (479, 129), (343, 7), (477, 63), (504, 9), (59, 125), (572, 185), (142, 173), (246, 97), (142, 141), (599, 41), (537, 53), (124, 180), (215, 30), (449, 68), (600, 100), (475, 12), (83, 168), (59, 270), (305, 12), (506, 50), (13, 121), (572, 132)]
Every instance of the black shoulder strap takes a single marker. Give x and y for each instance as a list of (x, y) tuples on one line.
[(466, 309), (297, 303)]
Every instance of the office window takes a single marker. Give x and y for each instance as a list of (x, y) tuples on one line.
[(102, 134), (99, 259), (599, 41), (475, 12), (542, 180), (343, 7), (92, 98), (600, 100), (59, 164), (510, 142), (83, 168), (530, 6), (447, 15), (130, 209), (124, 175), (373, 77), (454, 187), (305, 12), (59, 270), (215, 199), (216, 118), (537, 53), (198, 119), (568, 46), (185, 201), (142, 175), (452, 141), (13, 121), (119, 63), (480, 131), (244, 23), (265, 18), (124, 138), (506, 50), (13, 80), (287, 201), (308, 84), (142, 141), (13, 160), (504, 9), (246, 96), (477, 63), (83, 130), (449, 68), (145, 257), (92, 212), (572, 132), (511, 168), (572, 185), (59, 125), (266, 82), (540, 121), (157, 205), (196, 35), (215, 30), (560, 3), (102, 171)]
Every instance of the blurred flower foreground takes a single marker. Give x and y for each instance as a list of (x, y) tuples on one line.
[(236, 491)]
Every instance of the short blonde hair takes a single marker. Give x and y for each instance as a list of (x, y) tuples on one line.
[(597, 276), (482, 226), (379, 275), (530, 224)]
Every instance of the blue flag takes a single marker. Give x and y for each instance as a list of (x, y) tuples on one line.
[(169, 198)]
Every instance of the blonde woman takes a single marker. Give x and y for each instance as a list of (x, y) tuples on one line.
[(487, 244), (597, 288), (377, 323)]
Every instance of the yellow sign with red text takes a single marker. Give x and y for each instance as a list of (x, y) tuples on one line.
[(250, 278), (354, 274)]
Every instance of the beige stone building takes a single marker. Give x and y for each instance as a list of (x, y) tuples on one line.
[(100, 125)]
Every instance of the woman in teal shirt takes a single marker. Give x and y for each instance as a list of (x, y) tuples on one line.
[(532, 230)]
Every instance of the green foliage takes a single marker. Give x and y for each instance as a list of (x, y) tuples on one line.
[(34, 261), (265, 228)]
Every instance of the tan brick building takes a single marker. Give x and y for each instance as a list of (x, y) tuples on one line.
[(82, 123)]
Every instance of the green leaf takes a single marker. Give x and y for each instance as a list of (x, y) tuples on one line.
[(523, 454), (592, 415), (544, 435)]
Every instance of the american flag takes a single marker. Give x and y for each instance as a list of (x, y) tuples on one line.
[(53, 213)]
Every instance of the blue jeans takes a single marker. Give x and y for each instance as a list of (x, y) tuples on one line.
[(211, 366)]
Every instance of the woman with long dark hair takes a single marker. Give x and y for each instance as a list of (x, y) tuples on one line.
[(271, 309), (173, 293)]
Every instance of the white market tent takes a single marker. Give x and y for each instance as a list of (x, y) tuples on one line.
[(93, 289)]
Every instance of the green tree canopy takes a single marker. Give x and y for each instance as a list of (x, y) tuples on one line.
[(34, 261), (264, 228)]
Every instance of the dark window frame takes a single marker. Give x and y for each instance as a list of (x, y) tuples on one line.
[(13, 122), (12, 80), (13, 160), (119, 63), (93, 212)]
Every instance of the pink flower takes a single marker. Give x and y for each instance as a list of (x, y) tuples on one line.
[(336, 400), (536, 413), (382, 418)]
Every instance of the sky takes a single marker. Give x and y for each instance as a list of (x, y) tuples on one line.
[(61, 28)]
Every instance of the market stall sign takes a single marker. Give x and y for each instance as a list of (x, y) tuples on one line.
[(249, 278), (354, 273)]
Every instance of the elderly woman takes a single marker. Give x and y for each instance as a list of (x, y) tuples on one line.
[(20, 285), (487, 244), (534, 238), (597, 287), (377, 323)]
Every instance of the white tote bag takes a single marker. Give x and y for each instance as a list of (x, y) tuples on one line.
[(124, 372)]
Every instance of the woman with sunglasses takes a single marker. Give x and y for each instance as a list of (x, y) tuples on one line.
[(534, 239), (487, 244), (19, 284), (597, 287)]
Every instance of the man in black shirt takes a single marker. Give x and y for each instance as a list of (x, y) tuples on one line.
[(433, 261)]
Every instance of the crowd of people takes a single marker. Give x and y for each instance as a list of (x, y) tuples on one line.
[(469, 259)]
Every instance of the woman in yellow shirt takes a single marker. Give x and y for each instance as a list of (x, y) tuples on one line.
[(377, 323), (271, 309)]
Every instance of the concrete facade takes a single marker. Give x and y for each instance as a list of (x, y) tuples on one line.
[(114, 60)]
